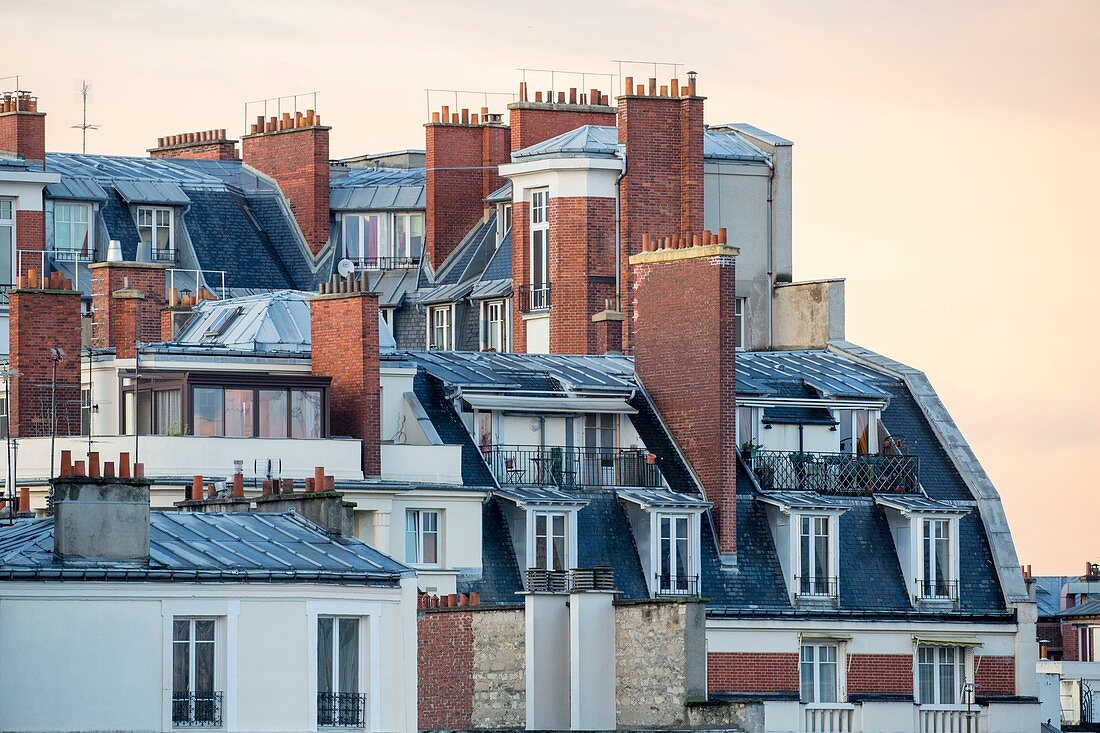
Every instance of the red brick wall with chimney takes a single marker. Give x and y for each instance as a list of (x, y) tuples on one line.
[(297, 157), (752, 672), (344, 335), (582, 270), (521, 268), (22, 127), (995, 675), (684, 357), (1052, 632), (445, 660), (39, 320), (1071, 641), (885, 674), (205, 145), (495, 149), (110, 326), (534, 122), (30, 234)]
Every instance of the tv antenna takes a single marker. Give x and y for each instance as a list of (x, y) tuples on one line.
[(85, 90)]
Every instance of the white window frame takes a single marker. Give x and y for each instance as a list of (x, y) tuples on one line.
[(226, 614), (818, 588), (570, 535), (838, 662), (370, 658), (74, 247), (403, 249), (752, 416), (539, 222), (8, 222), (504, 222), (155, 226), (419, 531), (849, 414), (740, 311), (952, 525), (448, 329), (963, 666), (691, 563), (487, 307)]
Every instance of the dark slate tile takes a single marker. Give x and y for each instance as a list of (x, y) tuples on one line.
[(658, 442), (500, 580), (903, 417), (120, 224), (604, 539), (979, 587), (447, 423), (870, 572)]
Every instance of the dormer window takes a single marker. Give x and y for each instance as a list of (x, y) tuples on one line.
[(676, 571), (441, 327), (666, 527), (504, 222), (926, 535), (382, 240), (550, 548), (816, 577), (496, 328), (155, 227), (72, 233), (858, 431), (937, 579), (805, 527)]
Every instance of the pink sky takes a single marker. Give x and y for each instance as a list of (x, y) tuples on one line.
[(946, 161)]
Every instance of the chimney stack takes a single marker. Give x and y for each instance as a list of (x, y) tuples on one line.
[(533, 122), (206, 145), (684, 352), (294, 151), (127, 298), (609, 331), (22, 126), (344, 335), (98, 518), (462, 155)]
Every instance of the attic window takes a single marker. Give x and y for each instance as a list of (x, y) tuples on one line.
[(220, 323)]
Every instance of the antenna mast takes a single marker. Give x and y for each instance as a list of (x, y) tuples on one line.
[(85, 89)]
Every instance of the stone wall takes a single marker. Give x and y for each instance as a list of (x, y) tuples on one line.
[(498, 668)]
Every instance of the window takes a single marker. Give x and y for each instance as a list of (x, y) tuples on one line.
[(858, 431), (4, 416), (1086, 643), (504, 222), (209, 411), (195, 699), (818, 673), (422, 537), (941, 675), (383, 240), (740, 308), (496, 326), (155, 229), (814, 560), (305, 413), (274, 413), (600, 442), (71, 232), (253, 412), (440, 328), (675, 574), (550, 544), (158, 412), (85, 410), (540, 250), (936, 565), (238, 413), (7, 242), (408, 238), (339, 702), (748, 426)]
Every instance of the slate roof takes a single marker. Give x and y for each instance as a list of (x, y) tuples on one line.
[(604, 539), (377, 189), (489, 370), (1084, 610), (429, 390), (601, 141), (500, 580), (1048, 593), (200, 547)]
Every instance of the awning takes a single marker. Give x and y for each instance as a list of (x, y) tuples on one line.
[(540, 495), (151, 192), (662, 499), (947, 640), (824, 636), (536, 405)]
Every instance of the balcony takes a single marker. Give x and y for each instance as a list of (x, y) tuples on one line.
[(163, 255), (341, 709), (936, 591), (816, 589), (68, 254), (564, 467), (950, 719), (533, 299), (843, 474), (384, 263), (828, 717), (197, 710), (675, 586)]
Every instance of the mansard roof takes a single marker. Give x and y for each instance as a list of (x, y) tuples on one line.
[(601, 141)]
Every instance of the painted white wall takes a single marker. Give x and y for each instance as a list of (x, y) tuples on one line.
[(538, 334), (546, 617), (591, 661), (433, 464)]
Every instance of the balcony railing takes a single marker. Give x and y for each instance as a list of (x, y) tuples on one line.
[(342, 709), (384, 263), (163, 255), (836, 473), (825, 717), (569, 467), (936, 591), (676, 586), (533, 299), (68, 254), (815, 588), (950, 719), (197, 709)]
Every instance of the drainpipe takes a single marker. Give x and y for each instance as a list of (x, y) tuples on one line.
[(771, 258), (620, 152)]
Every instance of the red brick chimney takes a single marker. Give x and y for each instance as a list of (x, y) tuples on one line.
[(662, 193), (684, 351), (22, 126), (462, 155), (533, 121), (205, 145), (44, 332), (294, 151), (127, 298), (344, 332)]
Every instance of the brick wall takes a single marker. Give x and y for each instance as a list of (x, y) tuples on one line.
[(112, 327), (221, 150), (1071, 640), (1052, 632), (752, 672), (534, 122), (521, 268), (995, 675), (30, 234), (24, 133), (298, 159), (683, 303), (445, 642), (344, 336), (41, 319), (890, 674)]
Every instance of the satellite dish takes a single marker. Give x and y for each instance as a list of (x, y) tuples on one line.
[(345, 267)]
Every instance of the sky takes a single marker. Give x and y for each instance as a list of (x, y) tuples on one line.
[(945, 162)]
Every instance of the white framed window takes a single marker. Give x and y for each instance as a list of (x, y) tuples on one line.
[(7, 242), (748, 426), (858, 431), (819, 678), (72, 231), (408, 237), (382, 240), (86, 410), (340, 700), (941, 675), (196, 677), (504, 221), (3, 416), (495, 318), (540, 251), (550, 548), (740, 310), (937, 567), (156, 228), (441, 327), (676, 573), (422, 536), (1086, 643), (815, 562)]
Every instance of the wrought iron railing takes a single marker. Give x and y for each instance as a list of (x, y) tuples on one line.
[(676, 586), (71, 254), (384, 263), (836, 473), (197, 709), (808, 588), (163, 255), (930, 589), (342, 709), (533, 298), (566, 467)]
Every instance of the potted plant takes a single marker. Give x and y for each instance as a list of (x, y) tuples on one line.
[(749, 450)]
